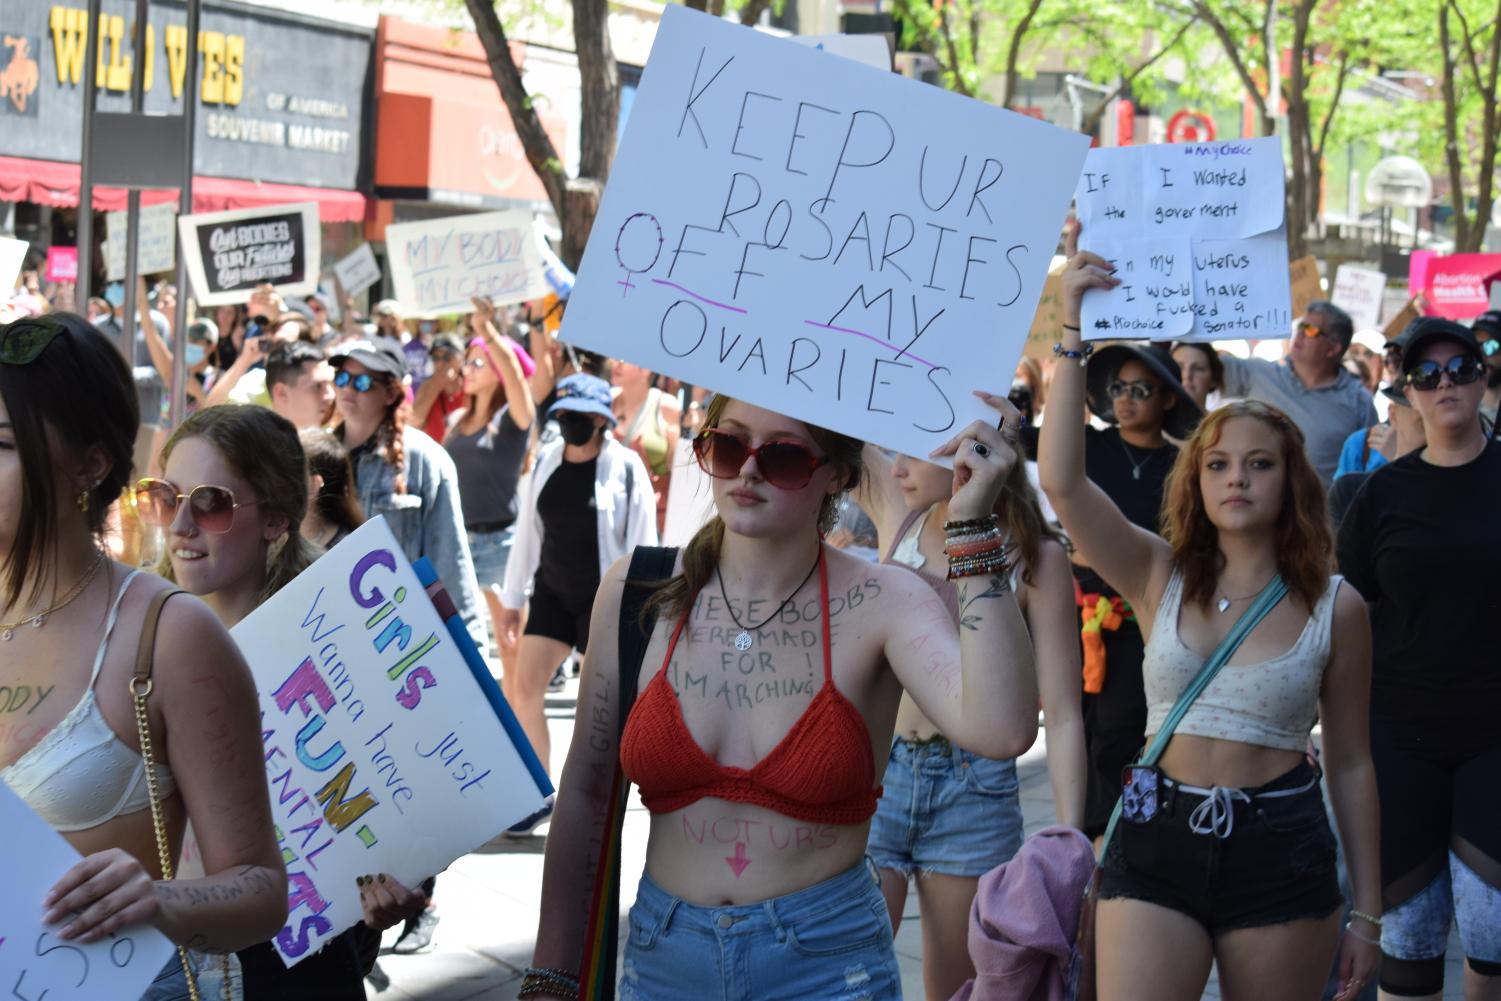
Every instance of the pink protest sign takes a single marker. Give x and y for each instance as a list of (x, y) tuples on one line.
[(62, 264), (1456, 285)]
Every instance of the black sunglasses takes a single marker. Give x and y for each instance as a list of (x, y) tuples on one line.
[(1138, 390), (363, 382), (1462, 370), (786, 465)]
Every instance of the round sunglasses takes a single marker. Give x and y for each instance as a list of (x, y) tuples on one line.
[(1138, 390), (786, 465), (211, 508), (363, 383), (1462, 370)]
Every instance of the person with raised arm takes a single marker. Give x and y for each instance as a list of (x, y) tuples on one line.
[(1223, 852), (766, 702)]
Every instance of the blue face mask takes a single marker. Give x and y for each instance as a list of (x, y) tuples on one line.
[(193, 356)]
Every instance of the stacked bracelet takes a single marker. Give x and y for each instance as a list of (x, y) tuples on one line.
[(1081, 356), (546, 980), (1370, 919), (975, 547)]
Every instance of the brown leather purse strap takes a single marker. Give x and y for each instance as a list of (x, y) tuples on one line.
[(144, 653)]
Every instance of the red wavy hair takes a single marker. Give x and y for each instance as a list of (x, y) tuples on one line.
[(1305, 542)]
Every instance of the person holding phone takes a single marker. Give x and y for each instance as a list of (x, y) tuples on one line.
[(1224, 853)]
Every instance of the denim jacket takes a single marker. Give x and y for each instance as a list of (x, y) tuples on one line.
[(427, 520)]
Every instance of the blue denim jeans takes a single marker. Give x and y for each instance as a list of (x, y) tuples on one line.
[(945, 810), (491, 551), (829, 941)]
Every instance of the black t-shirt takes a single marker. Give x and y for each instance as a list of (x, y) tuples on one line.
[(489, 464), (569, 564), (1134, 478), (1422, 544)]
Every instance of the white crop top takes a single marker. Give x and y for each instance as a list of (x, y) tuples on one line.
[(1270, 704), (81, 774)]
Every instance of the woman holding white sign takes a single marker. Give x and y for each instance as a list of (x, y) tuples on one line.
[(107, 660), (1220, 850), (756, 738)]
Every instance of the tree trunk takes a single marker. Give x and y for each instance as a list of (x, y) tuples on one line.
[(1451, 133), (1301, 204), (752, 11)]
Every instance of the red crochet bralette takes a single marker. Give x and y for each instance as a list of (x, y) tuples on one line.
[(822, 771)]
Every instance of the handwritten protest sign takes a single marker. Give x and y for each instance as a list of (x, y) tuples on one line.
[(1203, 222), (386, 748), (1359, 291), (873, 50), (229, 253), (1303, 276), (12, 256), (62, 264), (1045, 322), (839, 244), (34, 962), (438, 266), (358, 271), (156, 241), (1402, 318)]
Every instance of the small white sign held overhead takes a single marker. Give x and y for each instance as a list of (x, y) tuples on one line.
[(358, 271), (12, 256), (229, 253), (1217, 209), (440, 266), (836, 243), (1359, 291), (156, 243), (34, 962)]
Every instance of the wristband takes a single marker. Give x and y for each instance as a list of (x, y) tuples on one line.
[(1081, 356)]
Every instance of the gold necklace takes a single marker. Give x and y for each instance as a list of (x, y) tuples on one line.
[(37, 621)]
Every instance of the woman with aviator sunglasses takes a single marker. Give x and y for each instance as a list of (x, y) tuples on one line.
[(1421, 542), (71, 623), (767, 696)]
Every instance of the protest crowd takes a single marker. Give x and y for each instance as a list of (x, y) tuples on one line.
[(1243, 586)]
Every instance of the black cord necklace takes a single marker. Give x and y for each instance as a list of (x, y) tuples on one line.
[(745, 637)]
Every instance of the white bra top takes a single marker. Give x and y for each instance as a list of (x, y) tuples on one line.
[(81, 774), (1270, 704)]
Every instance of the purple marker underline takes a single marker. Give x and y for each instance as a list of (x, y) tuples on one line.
[(686, 291), (868, 337)]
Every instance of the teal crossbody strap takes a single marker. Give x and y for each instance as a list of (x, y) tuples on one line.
[(1274, 592)]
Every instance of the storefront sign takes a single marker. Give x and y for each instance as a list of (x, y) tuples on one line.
[(389, 749), (845, 246), (34, 962), (438, 267), (230, 253), (280, 99)]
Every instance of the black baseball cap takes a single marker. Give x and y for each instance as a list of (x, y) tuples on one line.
[(1425, 330), (379, 354), (1490, 322)]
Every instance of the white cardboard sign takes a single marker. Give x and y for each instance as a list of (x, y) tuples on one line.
[(1359, 291), (156, 243), (1215, 209), (439, 266), (34, 962), (358, 271), (229, 253), (385, 750), (873, 50), (839, 244), (12, 256)]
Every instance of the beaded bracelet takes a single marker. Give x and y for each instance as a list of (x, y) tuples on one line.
[(968, 537), (986, 523), (982, 565), (1364, 938), (546, 980), (1368, 918), (1081, 356)]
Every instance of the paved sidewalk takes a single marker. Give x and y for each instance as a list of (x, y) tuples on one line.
[(489, 902)]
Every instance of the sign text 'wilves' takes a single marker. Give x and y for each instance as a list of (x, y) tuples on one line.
[(833, 242)]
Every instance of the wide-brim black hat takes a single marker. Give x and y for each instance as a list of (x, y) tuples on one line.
[(1178, 422), (1427, 329)]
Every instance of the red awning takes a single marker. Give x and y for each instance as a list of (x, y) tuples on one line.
[(49, 182)]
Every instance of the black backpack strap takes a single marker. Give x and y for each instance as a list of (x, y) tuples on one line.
[(650, 565)]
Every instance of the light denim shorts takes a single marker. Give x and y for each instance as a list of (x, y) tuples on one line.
[(829, 942), (491, 551), (945, 810)]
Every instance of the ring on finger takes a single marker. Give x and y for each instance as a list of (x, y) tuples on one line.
[(981, 449)]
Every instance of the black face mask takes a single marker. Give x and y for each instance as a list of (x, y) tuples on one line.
[(576, 428)]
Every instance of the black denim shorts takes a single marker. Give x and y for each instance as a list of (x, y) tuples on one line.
[(1261, 860)]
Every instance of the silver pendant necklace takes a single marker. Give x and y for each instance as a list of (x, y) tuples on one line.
[(745, 637), (1136, 467)]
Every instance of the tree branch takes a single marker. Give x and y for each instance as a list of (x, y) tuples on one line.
[(1232, 52), (956, 71), (1013, 51), (1341, 76), (1093, 121)]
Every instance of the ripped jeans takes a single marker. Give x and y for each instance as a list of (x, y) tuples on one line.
[(829, 942)]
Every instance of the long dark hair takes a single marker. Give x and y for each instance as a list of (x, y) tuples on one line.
[(336, 503), (262, 447), (701, 556), (81, 391), (1021, 513), (390, 435)]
